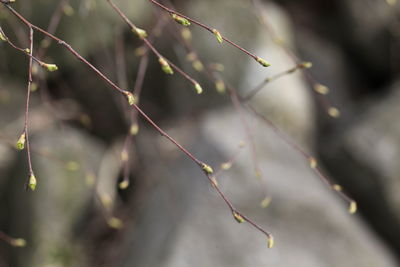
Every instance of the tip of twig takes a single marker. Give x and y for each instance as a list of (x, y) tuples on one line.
[(270, 241), (352, 207)]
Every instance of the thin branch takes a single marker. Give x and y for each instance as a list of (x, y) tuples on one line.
[(326, 104), (150, 45), (15, 242), (211, 30), (268, 80)]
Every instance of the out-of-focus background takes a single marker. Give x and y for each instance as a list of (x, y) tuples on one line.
[(170, 215)]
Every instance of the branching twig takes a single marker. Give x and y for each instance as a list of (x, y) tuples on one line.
[(163, 61), (220, 37), (206, 168)]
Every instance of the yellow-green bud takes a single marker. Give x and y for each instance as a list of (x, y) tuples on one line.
[(238, 217), (263, 62), (352, 207), (313, 162), (34, 86), (115, 223), (198, 88), (207, 169), (130, 97), (32, 182), (186, 34), (218, 35), (220, 86), (68, 10), (305, 65), (165, 66), (265, 202), (2, 37), (21, 142), (321, 89), (337, 187), (124, 155), (140, 32), (124, 184), (134, 129), (333, 112), (18, 242), (197, 65), (270, 241), (180, 20), (50, 67), (226, 166)]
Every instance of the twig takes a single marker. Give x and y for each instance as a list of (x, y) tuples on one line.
[(213, 31), (206, 168)]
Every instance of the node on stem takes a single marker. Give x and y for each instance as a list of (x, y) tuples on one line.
[(218, 35), (180, 20), (130, 97), (238, 217), (207, 169), (139, 32)]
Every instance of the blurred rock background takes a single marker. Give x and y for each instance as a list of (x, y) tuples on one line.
[(170, 215)]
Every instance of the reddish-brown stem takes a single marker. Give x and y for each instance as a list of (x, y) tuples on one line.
[(146, 117), (171, 11), (307, 156), (276, 39), (259, 87), (107, 80), (150, 45), (53, 24), (28, 93)]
